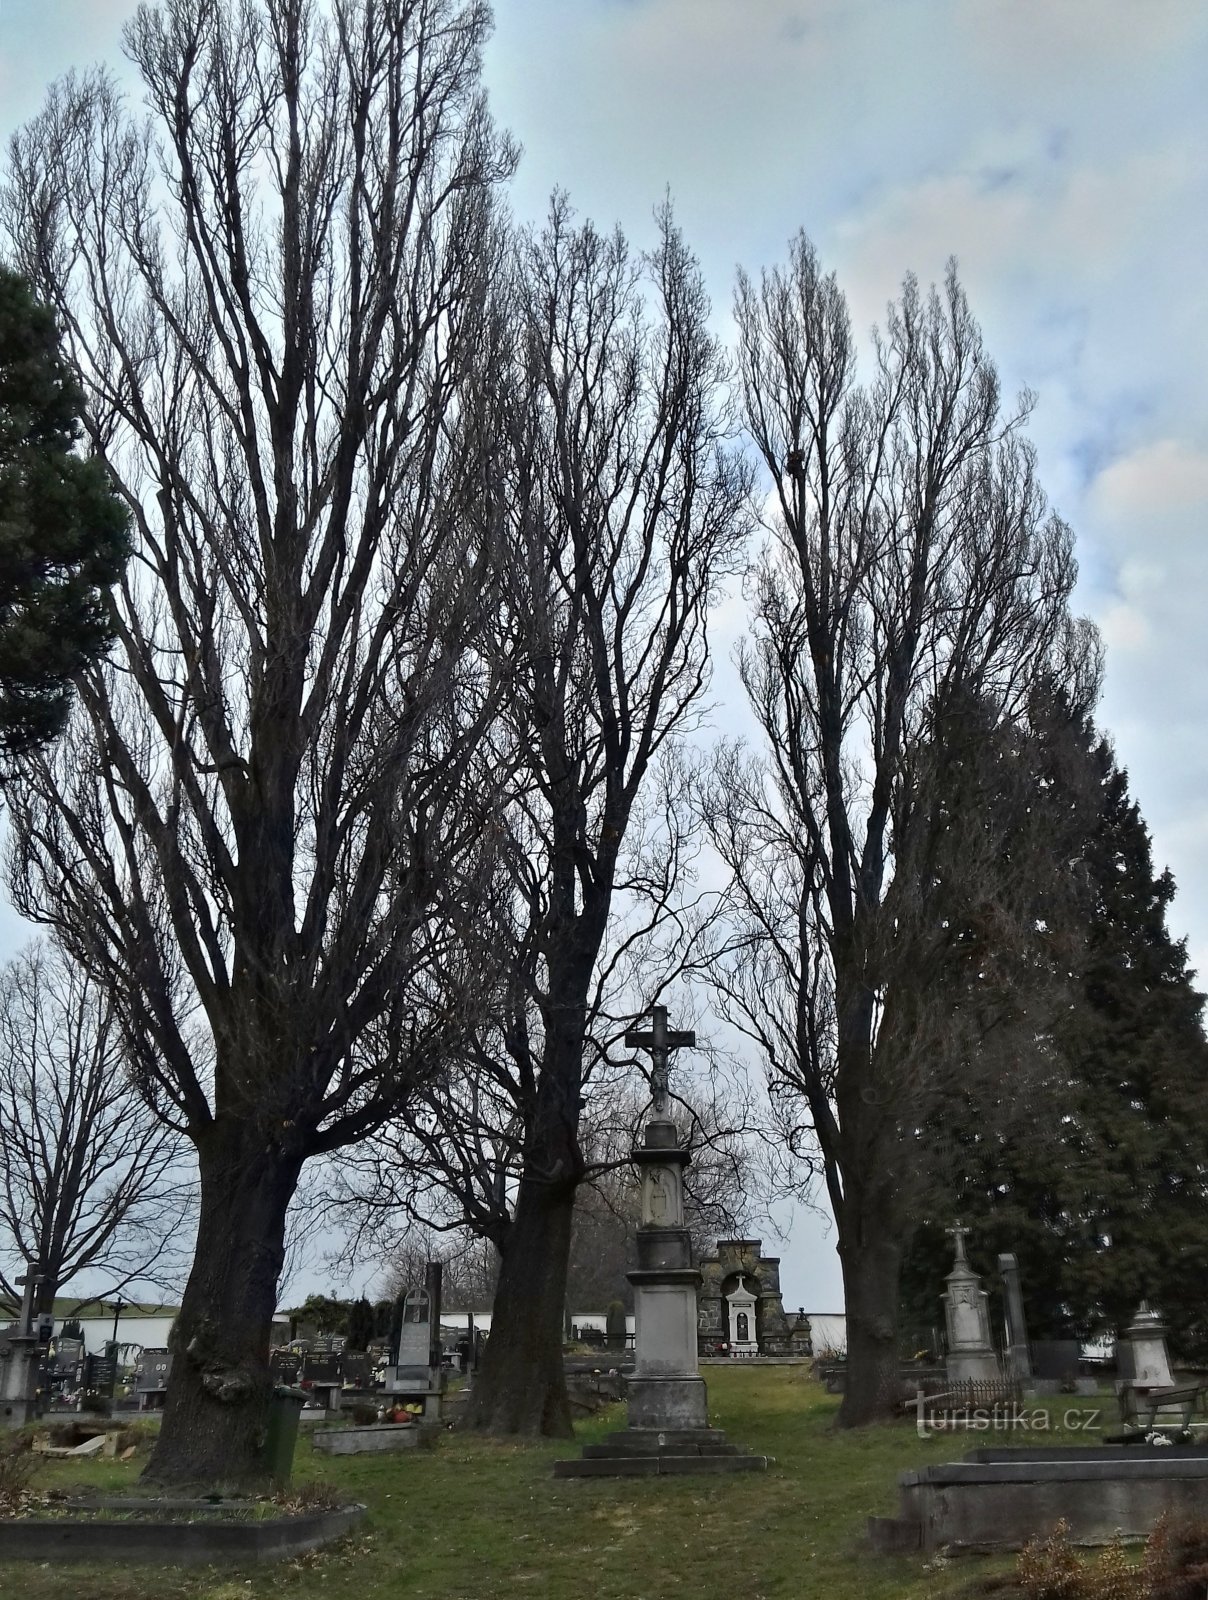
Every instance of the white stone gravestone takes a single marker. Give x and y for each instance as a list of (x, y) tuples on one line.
[(971, 1357), (1146, 1333)]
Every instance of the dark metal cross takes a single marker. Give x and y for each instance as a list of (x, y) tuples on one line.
[(660, 1041)]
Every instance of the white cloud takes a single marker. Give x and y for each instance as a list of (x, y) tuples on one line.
[(1124, 627), (1166, 476)]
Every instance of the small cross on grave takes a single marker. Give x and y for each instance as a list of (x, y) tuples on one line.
[(660, 1041)]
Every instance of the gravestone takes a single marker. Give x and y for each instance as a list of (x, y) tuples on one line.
[(68, 1358), (100, 1376), (1055, 1362), (668, 1406), (357, 1370), (152, 1370), (285, 1367), (1149, 1359), (971, 1357), (415, 1374), (20, 1357), (415, 1335)]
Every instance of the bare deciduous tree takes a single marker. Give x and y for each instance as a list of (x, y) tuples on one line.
[(262, 831), (623, 509), (90, 1180), (911, 617), (469, 1269), (441, 1182)]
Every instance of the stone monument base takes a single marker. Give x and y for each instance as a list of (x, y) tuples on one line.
[(671, 1402), (973, 1366), (651, 1452)]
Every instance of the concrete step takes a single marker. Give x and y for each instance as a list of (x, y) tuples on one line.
[(652, 1466), (647, 1441), (641, 1447)]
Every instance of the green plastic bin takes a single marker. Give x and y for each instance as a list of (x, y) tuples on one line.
[(281, 1435)]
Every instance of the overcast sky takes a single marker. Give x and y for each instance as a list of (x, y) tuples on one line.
[(1055, 147)]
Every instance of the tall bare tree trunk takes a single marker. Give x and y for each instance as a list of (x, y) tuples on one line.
[(870, 1253), (265, 830), (520, 1386), (217, 1407)]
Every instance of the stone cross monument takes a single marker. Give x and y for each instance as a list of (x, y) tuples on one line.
[(19, 1367), (666, 1390), (971, 1357), (668, 1406)]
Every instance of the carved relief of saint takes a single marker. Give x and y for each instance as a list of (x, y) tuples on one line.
[(660, 1195)]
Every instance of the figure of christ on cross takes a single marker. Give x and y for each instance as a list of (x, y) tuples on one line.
[(660, 1042), (960, 1234)]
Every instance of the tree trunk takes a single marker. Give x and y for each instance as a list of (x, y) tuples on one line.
[(219, 1389), (520, 1385), (872, 1261)]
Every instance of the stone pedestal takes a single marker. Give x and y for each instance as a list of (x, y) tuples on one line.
[(666, 1390), (18, 1380), (971, 1357)]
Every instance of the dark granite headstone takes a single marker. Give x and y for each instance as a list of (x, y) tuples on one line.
[(151, 1371), (1056, 1358)]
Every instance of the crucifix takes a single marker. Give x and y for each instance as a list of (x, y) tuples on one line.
[(660, 1041), (29, 1285), (960, 1234)]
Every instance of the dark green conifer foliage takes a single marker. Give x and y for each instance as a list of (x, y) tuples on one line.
[(62, 528), (360, 1324), (1098, 1181)]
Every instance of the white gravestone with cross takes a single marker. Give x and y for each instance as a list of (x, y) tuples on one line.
[(971, 1357), (740, 1307)]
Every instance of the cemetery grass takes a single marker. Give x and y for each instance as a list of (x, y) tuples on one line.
[(474, 1519)]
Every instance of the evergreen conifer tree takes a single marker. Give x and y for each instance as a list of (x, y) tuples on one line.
[(62, 528), (1098, 1179)]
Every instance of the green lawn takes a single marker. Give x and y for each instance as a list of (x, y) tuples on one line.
[(472, 1519)]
